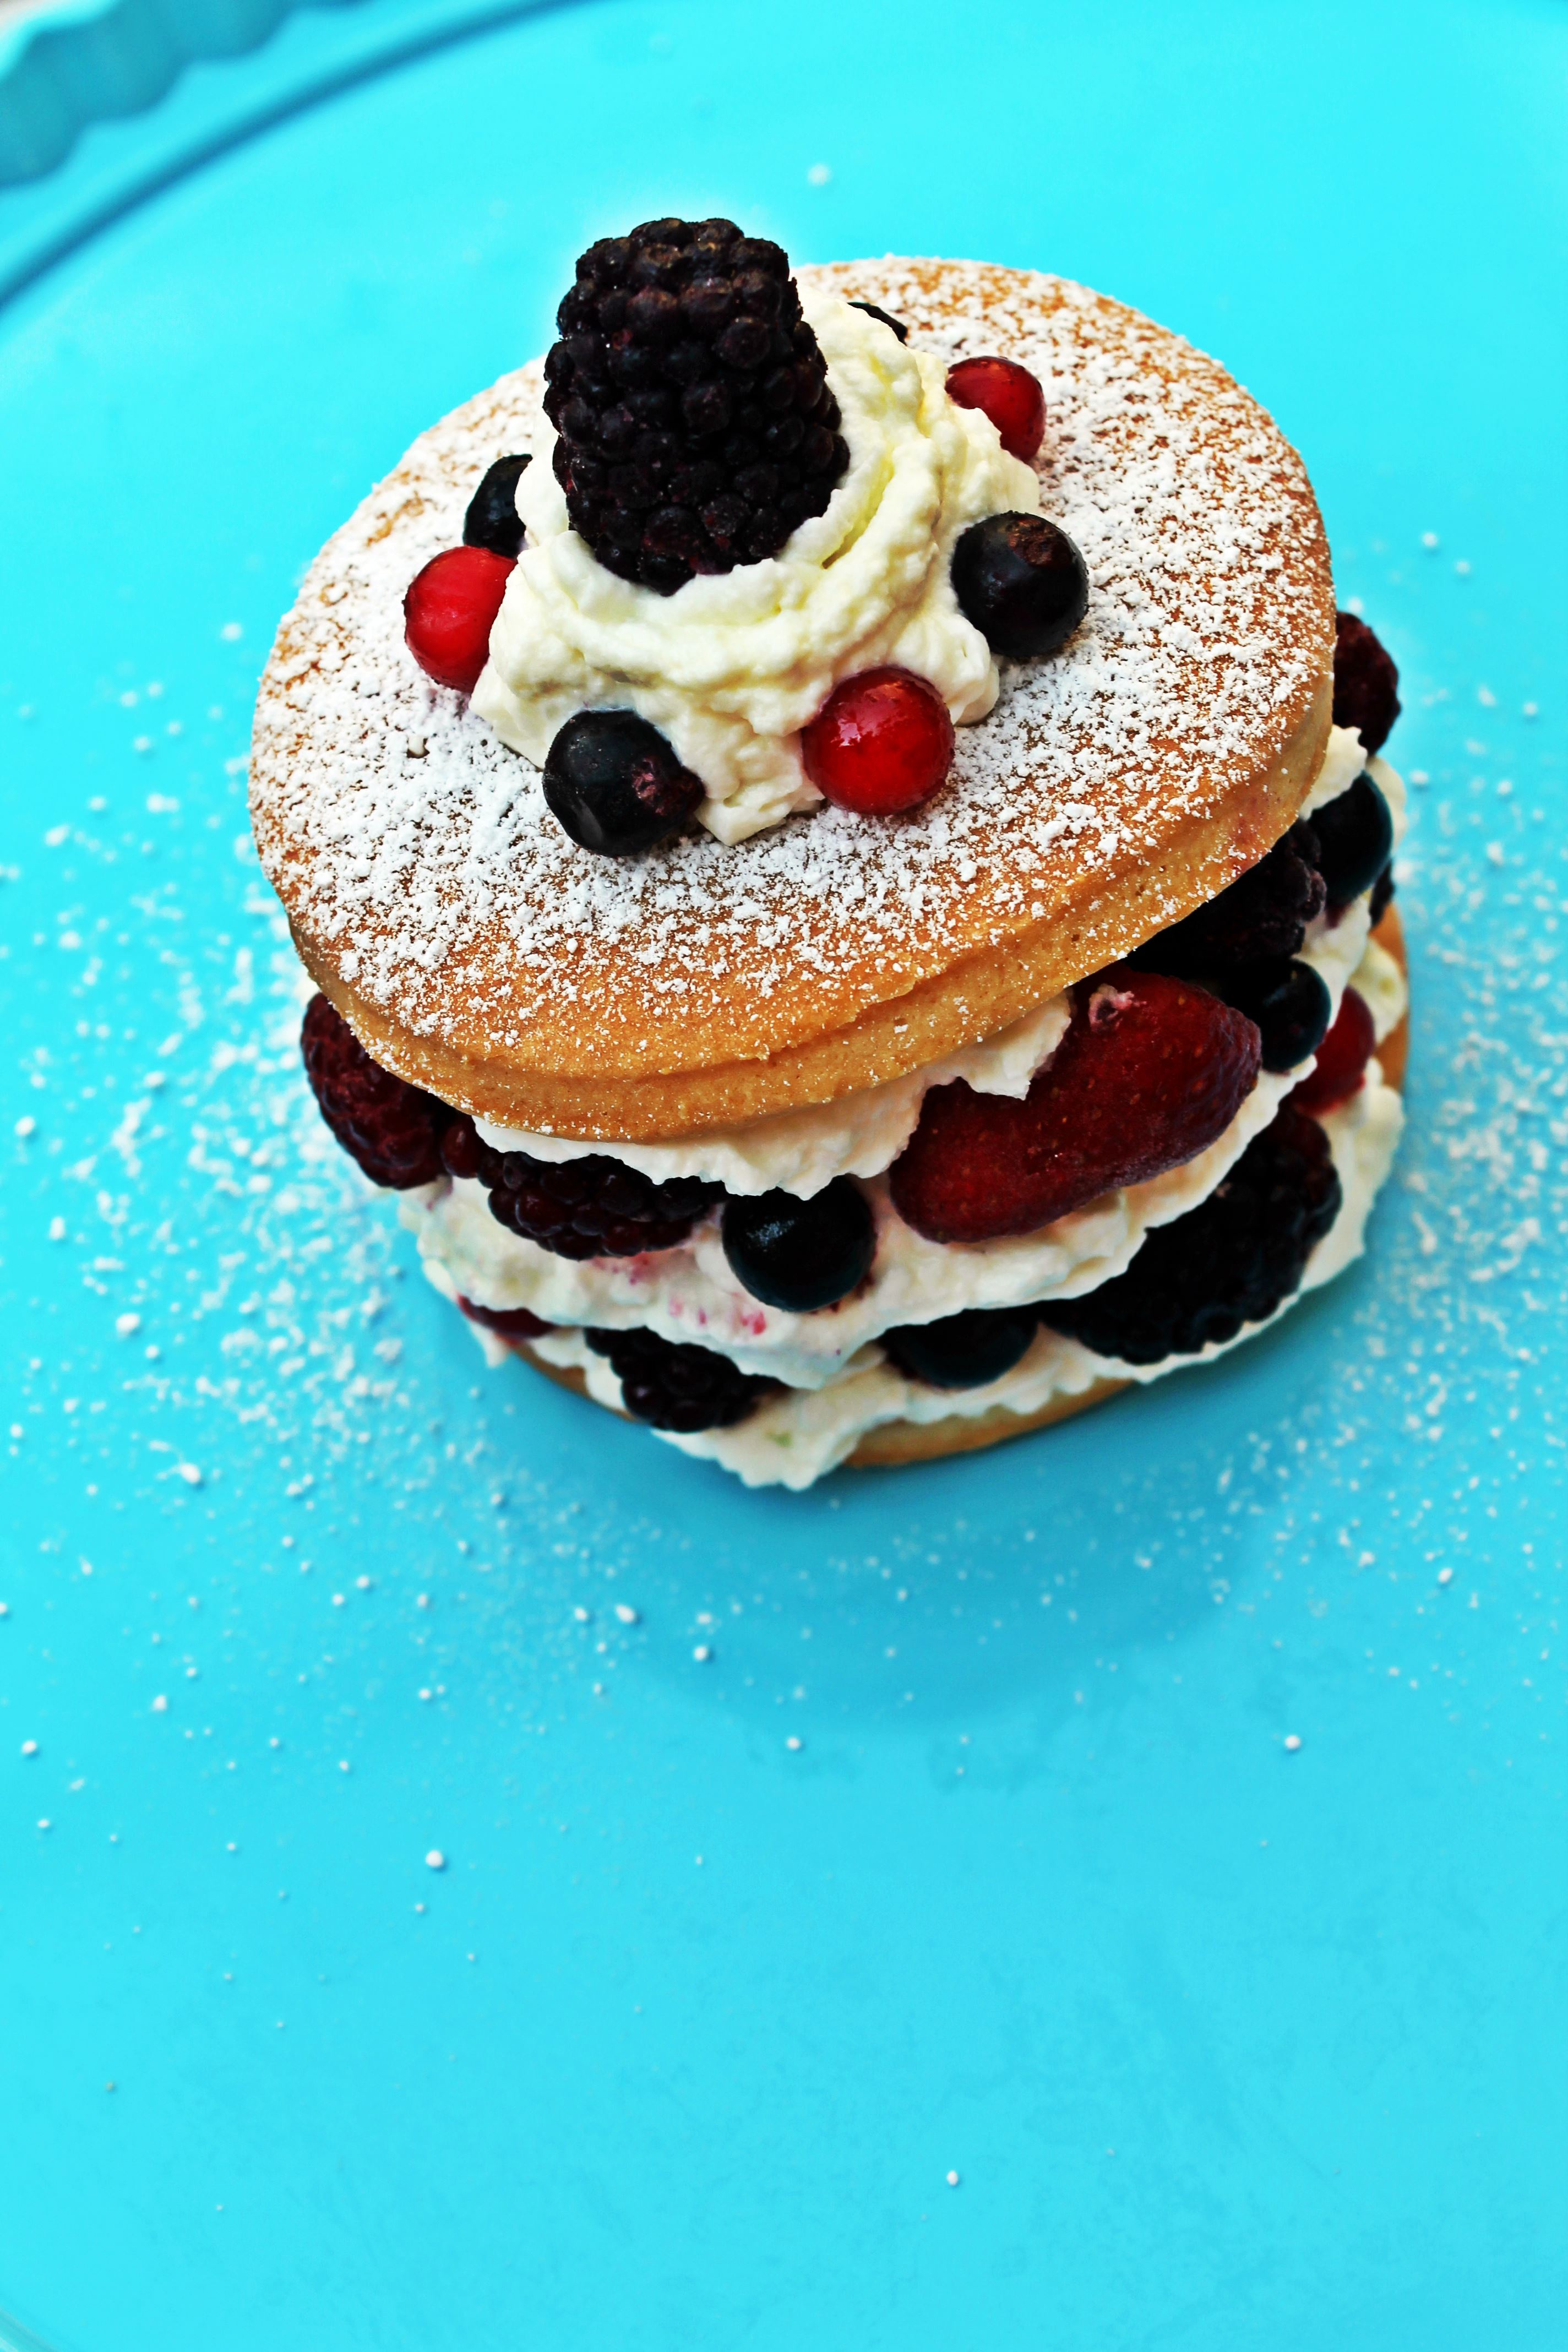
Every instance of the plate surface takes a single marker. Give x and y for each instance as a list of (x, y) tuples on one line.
[(974, 1849)]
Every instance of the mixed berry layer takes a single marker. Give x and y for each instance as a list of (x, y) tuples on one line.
[(1155, 1177)]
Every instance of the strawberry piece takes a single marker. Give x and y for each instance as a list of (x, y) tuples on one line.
[(1149, 1073), (1342, 1057), (1010, 396), (449, 611)]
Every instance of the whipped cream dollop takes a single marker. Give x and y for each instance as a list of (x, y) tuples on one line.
[(732, 666)]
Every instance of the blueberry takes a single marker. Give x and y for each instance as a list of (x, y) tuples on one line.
[(963, 1351), (615, 785), (1381, 895), (871, 311), (1355, 840), (1289, 1003), (801, 1255), (1022, 582), (492, 519)]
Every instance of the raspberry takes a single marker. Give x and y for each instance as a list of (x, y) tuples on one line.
[(1366, 683), (696, 429), (449, 611), (394, 1131), (1229, 1262), (1342, 1057), (507, 1322), (1149, 1073), (1009, 395), (674, 1386), (1263, 915), (881, 743)]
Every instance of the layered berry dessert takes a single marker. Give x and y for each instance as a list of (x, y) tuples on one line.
[(844, 850)]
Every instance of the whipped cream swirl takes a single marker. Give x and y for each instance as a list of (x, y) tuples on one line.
[(731, 667)]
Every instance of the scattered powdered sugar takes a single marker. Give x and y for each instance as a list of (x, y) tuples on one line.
[(407, 841)]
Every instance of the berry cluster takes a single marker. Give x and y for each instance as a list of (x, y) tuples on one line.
[(695, 426), (1229, 1262), (401, 1136), (676, 1386)]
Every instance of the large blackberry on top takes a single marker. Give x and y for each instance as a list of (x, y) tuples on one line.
[(696, 429), (1230, 1261)]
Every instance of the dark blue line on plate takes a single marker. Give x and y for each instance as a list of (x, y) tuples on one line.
[(473, 25)]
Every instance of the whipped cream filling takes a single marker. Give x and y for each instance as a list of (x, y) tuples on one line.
[(795, 1437), (690, 1292), (731, 667), (859, 1135)]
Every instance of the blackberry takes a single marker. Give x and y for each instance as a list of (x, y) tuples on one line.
[(696, 429), (1366, 683), (1226, 1263), (394, 1131), (675, 1386), (963, 1351), (592, 1207), (1263, 915)]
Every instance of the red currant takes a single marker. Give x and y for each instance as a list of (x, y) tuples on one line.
[(880, 743), (449, 611), (1341, 1059), (1010, 396)]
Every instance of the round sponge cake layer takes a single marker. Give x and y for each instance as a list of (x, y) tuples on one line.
[(477, 951)]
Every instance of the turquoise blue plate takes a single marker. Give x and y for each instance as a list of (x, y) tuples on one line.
[(961, 1959)]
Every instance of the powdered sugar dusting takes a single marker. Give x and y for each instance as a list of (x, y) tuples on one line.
[(418, 855)]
